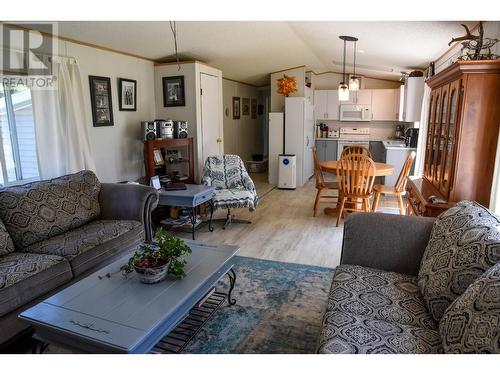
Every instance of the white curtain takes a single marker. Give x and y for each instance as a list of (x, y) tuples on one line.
[(422, 133), (62, 139), (495, 186)]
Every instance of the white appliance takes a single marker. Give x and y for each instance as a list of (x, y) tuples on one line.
[(352, 136), (287, 171), (276, 144), (299, 135), (355, 112)]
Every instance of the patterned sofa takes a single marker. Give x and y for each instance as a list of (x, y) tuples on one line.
[(55, 232), (417, 285)]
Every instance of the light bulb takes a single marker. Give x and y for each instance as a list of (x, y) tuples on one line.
[(354, 83), (343, 92)]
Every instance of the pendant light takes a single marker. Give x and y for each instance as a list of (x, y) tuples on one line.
[(354, 80), (343, 88)]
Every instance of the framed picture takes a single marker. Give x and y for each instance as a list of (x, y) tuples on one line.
[(158, 157), (173, 92), (245, 107), (236, 108), (253, 108), (128, 94), (100, 97)]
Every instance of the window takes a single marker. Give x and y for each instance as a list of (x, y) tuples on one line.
[(18, 159)]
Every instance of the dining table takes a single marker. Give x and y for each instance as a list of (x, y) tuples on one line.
[(381, 169)]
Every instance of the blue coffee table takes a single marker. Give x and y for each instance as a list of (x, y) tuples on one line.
[(192, 197), (107, 312)]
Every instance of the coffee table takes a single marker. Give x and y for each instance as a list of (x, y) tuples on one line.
[(192, 197), (107, 312)]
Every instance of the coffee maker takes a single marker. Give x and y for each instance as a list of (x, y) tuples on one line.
[(411, 137), (399, 133)]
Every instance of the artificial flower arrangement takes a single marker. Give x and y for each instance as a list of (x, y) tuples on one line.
[(287, 85)]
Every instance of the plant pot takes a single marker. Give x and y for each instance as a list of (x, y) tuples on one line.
[(152, 275)]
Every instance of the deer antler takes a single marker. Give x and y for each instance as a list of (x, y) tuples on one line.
[(468, 36)]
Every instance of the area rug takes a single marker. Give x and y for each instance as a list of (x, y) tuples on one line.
[(279, 309)]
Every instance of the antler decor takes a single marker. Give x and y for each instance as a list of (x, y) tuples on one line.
[(474, 44)]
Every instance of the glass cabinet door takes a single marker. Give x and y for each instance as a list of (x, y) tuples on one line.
[(433, 140), (449, 138), (440, 136), (428, 143)]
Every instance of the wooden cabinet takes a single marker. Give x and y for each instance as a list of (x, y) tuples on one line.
[(174, 157), (326, 104), (383, 105), (462, 135)]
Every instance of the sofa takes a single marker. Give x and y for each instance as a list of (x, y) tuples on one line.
[(416, 285), (55, 232)]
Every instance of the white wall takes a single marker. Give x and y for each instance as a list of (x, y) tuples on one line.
[(118, 149), (278, 100), (242, 137)]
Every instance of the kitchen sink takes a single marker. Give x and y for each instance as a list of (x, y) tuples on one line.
[(395, 143)]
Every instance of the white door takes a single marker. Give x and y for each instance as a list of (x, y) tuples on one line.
[(333, 105), (211, 131), (383, 104), (320, 104)]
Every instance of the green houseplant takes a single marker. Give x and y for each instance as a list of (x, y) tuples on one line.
[(153, 262)]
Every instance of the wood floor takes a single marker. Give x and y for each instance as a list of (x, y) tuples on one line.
[(282, 229)]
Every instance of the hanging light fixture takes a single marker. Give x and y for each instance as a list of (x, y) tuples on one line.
[(354, 80), (343, 88)]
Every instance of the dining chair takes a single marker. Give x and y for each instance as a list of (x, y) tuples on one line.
[(322, 185), (355, 176), (357, 149), (398, 189)]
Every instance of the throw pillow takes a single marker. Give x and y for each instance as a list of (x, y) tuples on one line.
[(6, 244), (472, 323), (464, 243)]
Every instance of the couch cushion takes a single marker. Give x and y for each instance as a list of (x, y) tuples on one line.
[(37, 211), (92, 243), (378, 294), (472, 322), (24, 277), (345, 333), (6, 244), (464, 243)]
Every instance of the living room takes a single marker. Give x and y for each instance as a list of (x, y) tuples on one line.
[(283, 184)]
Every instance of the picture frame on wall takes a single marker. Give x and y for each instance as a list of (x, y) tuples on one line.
[(173, 91), (253, 108), (127, 89), (100, 97), (236, 108), (245, 107)]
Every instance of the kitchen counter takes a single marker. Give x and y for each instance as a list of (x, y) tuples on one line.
[(397, 145), (327, 139)]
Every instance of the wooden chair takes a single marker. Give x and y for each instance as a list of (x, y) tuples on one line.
[(398, 189), (322, 185), (355, 175), (357, 149)]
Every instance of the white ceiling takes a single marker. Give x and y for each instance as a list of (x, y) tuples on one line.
[(249, 51)]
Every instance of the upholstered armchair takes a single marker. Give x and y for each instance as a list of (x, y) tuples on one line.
[(233, 186)]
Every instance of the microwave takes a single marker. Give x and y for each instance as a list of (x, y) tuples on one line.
[(354, 112)]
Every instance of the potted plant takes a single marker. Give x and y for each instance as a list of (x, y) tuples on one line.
[(153, 262)]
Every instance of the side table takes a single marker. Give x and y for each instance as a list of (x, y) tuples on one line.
[(192, 197)]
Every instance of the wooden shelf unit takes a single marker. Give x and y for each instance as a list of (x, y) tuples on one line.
[(462, 135), (183, 144)]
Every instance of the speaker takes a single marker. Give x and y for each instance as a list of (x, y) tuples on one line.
[(180, 129), (149, 130)]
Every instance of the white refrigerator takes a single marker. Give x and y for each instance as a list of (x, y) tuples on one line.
[(299, 135), (276, 144)]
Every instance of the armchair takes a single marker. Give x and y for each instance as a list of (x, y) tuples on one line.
[(233, 186)]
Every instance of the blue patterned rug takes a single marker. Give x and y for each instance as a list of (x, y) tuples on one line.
[(279, 309)]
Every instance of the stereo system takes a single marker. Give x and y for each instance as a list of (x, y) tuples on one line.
[(164, 129)]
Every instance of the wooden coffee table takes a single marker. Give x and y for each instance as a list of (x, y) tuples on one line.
[(107, 312)]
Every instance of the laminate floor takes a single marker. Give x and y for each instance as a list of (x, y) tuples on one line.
[(282, 229)]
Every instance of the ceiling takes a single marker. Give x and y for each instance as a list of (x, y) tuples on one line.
[(249, 51)]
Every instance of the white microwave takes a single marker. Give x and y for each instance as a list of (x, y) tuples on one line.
[(354, 112)]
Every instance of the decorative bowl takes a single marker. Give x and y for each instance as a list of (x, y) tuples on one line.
[(152, 275)]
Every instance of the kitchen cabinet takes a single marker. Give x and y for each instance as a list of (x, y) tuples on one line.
[(326, 149), (378, 155), (413, 97), (326, 104), (359, 97), (462, 137), (383, 105)]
